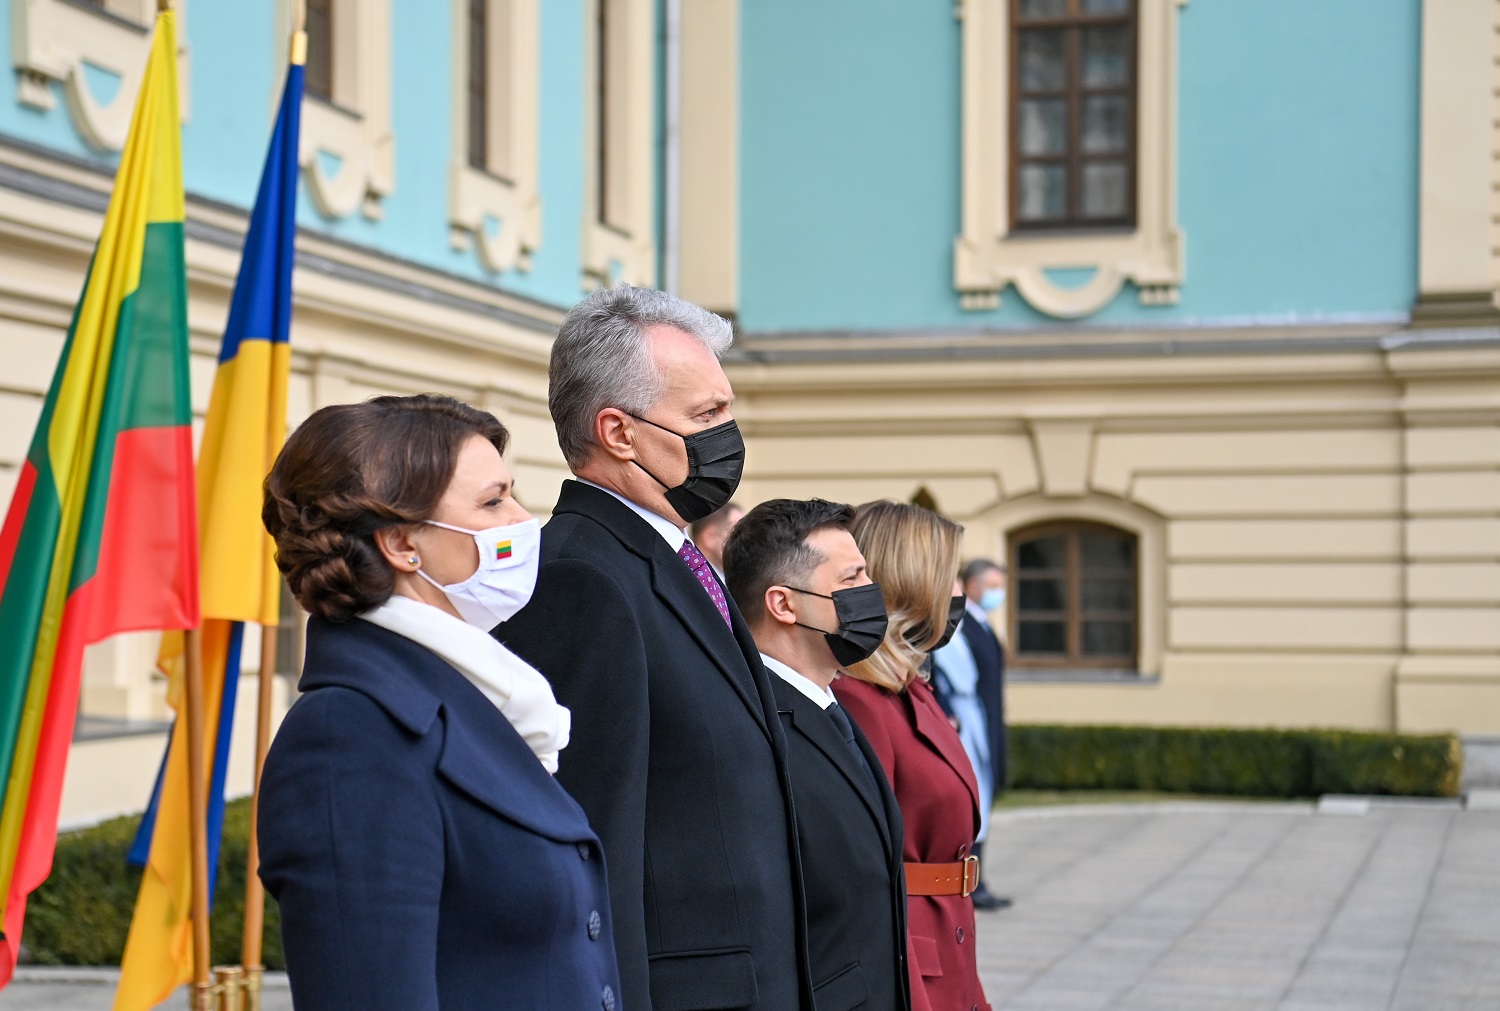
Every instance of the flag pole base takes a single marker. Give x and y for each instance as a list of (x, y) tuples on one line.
[(254, 976), (201, 997), (229, 981)]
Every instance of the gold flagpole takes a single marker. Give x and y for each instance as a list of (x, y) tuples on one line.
[(202, 998), (255, 895)]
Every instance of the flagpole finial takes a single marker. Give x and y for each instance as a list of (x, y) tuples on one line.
[(162, 6), (299, 49)]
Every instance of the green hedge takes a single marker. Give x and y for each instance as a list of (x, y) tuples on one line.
[(1251, 763), (81, 914)]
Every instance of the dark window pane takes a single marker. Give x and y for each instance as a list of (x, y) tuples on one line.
[(1044, 553), (1107, 638), (1042, 595), (1044, 126), (1102, 552), (1031, 9), (1105, 124), (1107, 594), (1043, 637), (1044, 193), (1104, 190), (318, 75), (1043, 61), (1106, 56), (1106, 6), (478, 81)]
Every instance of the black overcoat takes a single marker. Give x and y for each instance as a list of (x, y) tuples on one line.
[(677, 757), (850, 834)]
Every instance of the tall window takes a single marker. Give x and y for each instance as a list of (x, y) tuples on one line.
[(1074, 594), (1072, 113), (602, 109), (479, 64), (318, 77)]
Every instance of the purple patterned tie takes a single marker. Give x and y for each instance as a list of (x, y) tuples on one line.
[(689, 553)]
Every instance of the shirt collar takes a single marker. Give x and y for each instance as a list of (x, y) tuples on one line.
[(976, 611), (669, 531), (807, 686)]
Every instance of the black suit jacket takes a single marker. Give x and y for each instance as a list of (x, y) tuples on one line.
[(850, 833), (422, 856), (990, 659), (677, 757)]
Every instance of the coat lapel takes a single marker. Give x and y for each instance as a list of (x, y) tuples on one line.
[(818, 729), (733, 652), (933, 727)]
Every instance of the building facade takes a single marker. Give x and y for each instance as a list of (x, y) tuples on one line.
[(1184, 308)]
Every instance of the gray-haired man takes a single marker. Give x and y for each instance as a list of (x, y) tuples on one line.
[(677, 754)]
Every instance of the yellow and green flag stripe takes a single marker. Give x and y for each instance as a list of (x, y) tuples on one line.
[(101, 536)]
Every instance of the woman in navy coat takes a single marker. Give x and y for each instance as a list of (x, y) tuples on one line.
[(422, 855)]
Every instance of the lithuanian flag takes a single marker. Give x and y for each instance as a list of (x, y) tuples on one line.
[(242, 435), (102, 533)]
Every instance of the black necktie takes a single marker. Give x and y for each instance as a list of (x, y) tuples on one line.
[(846, 731)]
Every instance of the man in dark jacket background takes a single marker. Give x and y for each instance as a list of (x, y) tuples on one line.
[(677, 754)]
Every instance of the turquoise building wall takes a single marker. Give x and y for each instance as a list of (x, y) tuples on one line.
[(233, 91), (1297, 165)]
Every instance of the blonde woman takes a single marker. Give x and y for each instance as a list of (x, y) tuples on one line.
[(913, 554)]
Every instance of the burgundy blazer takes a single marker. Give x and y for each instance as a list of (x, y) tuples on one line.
[(935, 788)]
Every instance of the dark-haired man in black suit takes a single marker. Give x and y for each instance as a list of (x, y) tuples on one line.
[(800, 580), (676, 755)]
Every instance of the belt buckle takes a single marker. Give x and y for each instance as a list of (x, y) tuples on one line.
[(971, 875)]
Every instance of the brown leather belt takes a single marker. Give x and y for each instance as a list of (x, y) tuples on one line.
[(959, 878)]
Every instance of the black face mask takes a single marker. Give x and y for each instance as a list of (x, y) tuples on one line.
[(716, 459), (862, 622), (955, 616)]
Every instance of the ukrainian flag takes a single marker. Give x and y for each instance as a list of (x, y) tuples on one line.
[(101, 535), (245, 428)]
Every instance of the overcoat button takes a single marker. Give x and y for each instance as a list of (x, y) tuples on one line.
[(596, 926), (960, 935), (583, 850), (608, 998)]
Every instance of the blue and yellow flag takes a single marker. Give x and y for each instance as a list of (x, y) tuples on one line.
[(245, 428)]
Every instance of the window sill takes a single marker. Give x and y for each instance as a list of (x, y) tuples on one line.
[(1038, 676)]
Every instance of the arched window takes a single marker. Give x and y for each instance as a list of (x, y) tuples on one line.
[(1073, 597)]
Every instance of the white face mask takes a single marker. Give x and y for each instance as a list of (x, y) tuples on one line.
[(502, 584)]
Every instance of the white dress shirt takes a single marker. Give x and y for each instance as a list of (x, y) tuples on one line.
[(671, 533), (806, 685)]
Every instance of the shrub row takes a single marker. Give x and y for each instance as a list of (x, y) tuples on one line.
[(81, 914), (1251, 763)]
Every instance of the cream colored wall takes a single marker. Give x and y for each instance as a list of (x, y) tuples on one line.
[(1319, 533), (351, 340)]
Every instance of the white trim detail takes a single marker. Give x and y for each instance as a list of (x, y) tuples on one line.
[(508, 192), (622, 249), (54, 42), (987, 256), (353, 132)]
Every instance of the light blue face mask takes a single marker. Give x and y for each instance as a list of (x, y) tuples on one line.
[(992, 600)]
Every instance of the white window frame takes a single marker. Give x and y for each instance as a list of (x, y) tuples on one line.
[(622, 250), (354, 129), (53, 40), (988, 256), (506, 190)]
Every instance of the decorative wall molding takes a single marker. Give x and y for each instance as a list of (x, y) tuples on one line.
[(622, 248), (987, 256), (497, 210), (347, 149), (55, 42)]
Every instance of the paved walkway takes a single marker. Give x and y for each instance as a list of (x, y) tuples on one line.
[(1244, 907), (1199, 908)]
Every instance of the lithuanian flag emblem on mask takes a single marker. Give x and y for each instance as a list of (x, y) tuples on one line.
[(502, 551)]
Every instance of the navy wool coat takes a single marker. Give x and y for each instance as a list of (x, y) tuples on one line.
[(422, 857)]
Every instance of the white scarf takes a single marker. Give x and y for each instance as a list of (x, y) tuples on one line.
[(517, 689)]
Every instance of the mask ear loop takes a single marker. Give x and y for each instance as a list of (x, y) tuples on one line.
[(812, 593)]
